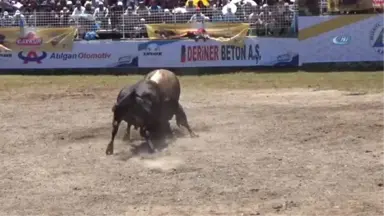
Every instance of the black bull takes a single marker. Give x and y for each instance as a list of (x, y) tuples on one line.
[(146, 105)]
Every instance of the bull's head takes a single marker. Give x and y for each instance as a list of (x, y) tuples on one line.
[(144, 102), (133, 102)]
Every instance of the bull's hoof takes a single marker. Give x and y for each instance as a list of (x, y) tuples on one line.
[(152, 151), (193, 135), (109, 151)]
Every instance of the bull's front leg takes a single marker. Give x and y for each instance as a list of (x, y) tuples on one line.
[(115, 128), (181, 119)]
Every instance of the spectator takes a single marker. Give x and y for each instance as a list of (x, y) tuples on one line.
[(190, 7), (168, 4), (7, 20), (142, 10), (130, 20), (88, 8), (64, 16), (140, 30), (92, 33), (70, 6), (275, 15), (197, 17), (154, 7), (18, 19), (168, 17), (54, 19), (229, 16), (217, 17), (78, 10), (116, 11), (101, 15), (129, 11), (180, 8), (268, 19), (256, 24)]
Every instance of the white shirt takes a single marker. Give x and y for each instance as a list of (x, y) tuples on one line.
[(76, 11)]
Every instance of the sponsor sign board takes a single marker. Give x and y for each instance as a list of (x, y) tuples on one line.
[(47, 39), (353, 38), (84, 55), (189, 53)]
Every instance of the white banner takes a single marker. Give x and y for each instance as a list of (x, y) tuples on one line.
[(157, 54), (352, 38), (97, 54), (188, 53)]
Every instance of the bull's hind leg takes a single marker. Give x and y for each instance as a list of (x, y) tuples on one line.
[(168, 130), (115, 128), (127, 135), (181, 119), (145, 133)]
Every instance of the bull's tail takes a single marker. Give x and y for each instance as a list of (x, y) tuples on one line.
[(114, 108)]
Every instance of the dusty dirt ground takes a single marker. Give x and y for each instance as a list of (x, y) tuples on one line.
[(267, 152)]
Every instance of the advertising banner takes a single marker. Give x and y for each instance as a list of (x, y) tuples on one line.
[(225, 32), (350, 5), (351, 38), (211, 53), (83, 55), (378, 4), (37, 39)]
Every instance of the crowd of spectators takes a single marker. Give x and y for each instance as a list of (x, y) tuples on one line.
[(266, 17)]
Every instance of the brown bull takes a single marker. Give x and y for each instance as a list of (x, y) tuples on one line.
[(170, 87)]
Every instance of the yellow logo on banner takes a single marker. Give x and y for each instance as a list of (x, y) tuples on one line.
[(228, 33), (46, 39)]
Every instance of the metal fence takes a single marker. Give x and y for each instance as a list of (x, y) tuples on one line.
[(264, 20)]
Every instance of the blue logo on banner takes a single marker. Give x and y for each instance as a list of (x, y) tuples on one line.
[(152, 45), (341, 40), (32, 57), (376, 38)]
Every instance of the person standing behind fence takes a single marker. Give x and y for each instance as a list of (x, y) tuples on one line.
[(18, 18), (101, 15), (116, 11), (78, 9), (198, 17), (7, 20)]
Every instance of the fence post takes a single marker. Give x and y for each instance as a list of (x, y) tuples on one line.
[(35, 19), (123, 17)]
